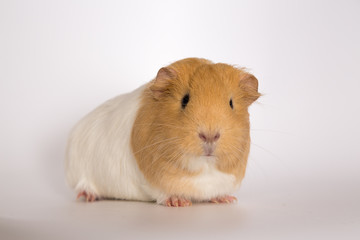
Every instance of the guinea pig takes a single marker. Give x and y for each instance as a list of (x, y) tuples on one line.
[(183, 137)]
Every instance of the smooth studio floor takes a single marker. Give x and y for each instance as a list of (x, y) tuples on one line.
[(265, 210)]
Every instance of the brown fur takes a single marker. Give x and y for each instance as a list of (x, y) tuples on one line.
[(164, 135)]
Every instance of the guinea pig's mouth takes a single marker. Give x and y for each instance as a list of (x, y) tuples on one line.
[(208, 155), (208, 150)]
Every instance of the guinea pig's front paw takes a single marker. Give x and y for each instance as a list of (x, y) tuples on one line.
[(177, 202), (89, 197), (224, 199)]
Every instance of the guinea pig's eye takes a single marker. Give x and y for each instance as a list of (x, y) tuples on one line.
[(231, 104), (185, 101)]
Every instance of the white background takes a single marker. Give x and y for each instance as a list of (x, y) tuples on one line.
[(60, 59)]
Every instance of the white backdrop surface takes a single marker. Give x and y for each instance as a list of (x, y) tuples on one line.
[(60, 59)]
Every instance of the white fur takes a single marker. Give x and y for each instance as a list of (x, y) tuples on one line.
[(100, 159), (99, 156), (210, 182)]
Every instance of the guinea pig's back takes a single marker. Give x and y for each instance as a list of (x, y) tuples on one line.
[(99, 157)]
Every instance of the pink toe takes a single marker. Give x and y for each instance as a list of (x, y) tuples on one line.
[(87, 196), (177, 202), (224, 199)]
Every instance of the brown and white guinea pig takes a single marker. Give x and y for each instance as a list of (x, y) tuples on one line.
[(181, 138)]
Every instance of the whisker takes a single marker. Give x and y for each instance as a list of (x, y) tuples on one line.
[(239, 151), (257, 129), (159, 142), (267, 151), (160, 148), (165, 125), (270, 130)]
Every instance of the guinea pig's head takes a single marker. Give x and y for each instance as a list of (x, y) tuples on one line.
[(199, 112)]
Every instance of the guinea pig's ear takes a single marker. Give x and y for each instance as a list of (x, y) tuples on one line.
[(162, 81), (249, 85)]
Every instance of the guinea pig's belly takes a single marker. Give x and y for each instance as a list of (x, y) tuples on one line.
[(210, 182)]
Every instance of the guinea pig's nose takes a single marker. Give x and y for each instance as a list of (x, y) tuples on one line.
[(209, 138)]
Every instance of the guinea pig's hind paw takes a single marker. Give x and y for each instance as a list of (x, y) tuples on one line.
[(177, 202), (89, 197), (224, 199)]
